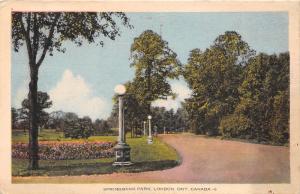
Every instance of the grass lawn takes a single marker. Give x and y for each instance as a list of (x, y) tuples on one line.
[(145, 157), (51, 135)]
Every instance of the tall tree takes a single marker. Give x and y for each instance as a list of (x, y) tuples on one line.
[(264, 97), (44, 32), (154, 63), (214, 77)]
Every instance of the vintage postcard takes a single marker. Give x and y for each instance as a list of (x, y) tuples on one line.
[(150, 97)]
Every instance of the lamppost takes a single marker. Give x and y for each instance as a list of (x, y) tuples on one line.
[(122, 149), (144, 128), (150, 140)]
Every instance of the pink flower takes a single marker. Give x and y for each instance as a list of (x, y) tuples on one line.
[(51, 150)]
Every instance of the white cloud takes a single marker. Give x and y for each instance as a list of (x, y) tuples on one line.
[(182, 92), (73, 94)]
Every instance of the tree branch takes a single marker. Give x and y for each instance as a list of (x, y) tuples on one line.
[(27, 36), (48, 40), (35, 43)]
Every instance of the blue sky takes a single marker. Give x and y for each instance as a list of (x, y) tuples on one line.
[(82, 79)]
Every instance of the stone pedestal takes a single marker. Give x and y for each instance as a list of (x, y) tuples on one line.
[(150, 140), (122, 155)]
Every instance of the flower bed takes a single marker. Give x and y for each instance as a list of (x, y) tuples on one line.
[(66, 150)]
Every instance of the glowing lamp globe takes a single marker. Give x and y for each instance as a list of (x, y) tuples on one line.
[(149, 117), (120, 89)]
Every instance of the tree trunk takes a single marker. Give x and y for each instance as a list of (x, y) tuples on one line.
[(33, 120), (149, 88)]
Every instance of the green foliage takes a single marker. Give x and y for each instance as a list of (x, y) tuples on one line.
[(135, 110), (154, 63), (169, 120), (78, 128), (234, 126), (43, 102), (264, 96), (56, 120), (214, 77), (136, 113), (237, 94), (101, 127), (14, 118), (51, 29)]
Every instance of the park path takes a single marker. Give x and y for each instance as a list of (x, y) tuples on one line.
[(205, 160)]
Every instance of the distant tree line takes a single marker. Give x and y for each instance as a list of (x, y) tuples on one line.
[(69, 123), (168, 121)]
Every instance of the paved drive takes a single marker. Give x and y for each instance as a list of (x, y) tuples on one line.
[(206, 160)]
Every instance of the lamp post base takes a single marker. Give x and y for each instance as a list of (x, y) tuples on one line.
[(122, 163), (150, 140), (122, 152)]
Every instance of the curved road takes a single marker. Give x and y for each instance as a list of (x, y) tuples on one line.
[(204, 160)]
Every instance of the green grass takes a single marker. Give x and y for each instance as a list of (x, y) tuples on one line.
[(52, 135), (145, 157), (142, 151), (61, 167)]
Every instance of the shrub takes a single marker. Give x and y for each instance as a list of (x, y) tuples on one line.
[(234, 126), (80, 128), (66, 151)]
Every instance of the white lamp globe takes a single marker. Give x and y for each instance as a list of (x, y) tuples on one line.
[(120, 89), (149, 117)]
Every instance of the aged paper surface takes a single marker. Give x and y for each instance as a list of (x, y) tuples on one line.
[(6, 7)]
